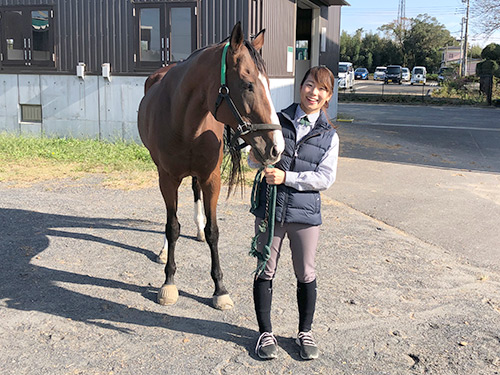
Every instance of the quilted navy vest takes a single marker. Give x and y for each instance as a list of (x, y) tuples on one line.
[(294, 206)]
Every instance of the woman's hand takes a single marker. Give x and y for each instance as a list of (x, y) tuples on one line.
[(274, 176)]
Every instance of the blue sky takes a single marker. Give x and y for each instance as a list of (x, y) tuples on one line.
[(370, 15)]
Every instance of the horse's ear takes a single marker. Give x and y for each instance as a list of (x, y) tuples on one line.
[(236, 37), (258, 41)]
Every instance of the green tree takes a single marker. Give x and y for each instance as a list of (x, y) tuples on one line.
[(475, 52), (397, 33), (491, 52), (424, 39)]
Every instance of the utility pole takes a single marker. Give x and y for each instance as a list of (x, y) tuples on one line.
[(460, 72), (464, 67), (402, 13)]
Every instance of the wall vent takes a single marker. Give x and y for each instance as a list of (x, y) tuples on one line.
[(31, 113)]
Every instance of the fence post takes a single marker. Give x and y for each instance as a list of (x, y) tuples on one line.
[(486, 86)]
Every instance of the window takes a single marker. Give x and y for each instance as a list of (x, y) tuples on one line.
[(27, 36), (166, 33)]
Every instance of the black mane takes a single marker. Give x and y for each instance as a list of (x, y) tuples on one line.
[(256, 57)]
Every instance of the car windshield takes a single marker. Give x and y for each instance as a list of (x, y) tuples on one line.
[(380, 70), (393, 70), (360, 70), (419, 71), (342, 68), (406, 70)]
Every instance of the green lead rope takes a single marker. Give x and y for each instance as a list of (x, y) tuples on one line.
[(267, 224)]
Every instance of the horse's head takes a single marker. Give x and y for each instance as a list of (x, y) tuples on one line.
[(246, 83)]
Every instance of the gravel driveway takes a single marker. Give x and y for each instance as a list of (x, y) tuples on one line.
[(79, 283)]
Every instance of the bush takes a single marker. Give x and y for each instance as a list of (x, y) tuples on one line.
[(487, 67), (491, 52)]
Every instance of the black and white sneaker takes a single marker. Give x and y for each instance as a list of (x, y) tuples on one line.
[(308, 348), (267, 346)]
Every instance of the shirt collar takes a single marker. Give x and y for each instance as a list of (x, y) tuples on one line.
[(299, 113)]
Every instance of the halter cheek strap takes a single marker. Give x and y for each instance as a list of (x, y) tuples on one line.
[(243, 127)]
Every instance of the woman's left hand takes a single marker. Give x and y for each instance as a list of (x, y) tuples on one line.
[(274, 176)]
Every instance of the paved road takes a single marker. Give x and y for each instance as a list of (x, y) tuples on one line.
[(432, 172)]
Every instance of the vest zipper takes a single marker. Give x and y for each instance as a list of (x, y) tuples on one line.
[(292, 165)]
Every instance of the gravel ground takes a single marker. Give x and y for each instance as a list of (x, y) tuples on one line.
[(78, 285)]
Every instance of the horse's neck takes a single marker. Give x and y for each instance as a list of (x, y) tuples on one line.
[(201, 76)]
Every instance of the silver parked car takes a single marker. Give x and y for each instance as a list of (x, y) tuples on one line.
[(379, 74)]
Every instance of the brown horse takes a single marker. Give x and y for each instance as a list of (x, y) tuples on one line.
[(181, 122)]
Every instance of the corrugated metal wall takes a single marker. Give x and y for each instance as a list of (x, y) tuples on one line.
[(97, 31), (278, 18), (331, 21), (218, 18)]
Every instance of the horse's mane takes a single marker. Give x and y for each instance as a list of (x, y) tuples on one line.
[(256, 57), (254, 54)]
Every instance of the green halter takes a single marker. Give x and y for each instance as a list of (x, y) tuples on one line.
[(223, 65)]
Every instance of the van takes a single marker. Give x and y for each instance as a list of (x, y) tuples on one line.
[(346, 75), (418, 75), (394, 73)]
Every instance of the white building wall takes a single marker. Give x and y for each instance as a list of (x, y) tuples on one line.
[(92, 107)]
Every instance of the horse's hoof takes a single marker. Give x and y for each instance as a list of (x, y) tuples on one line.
[(168, 295), (223, 302)]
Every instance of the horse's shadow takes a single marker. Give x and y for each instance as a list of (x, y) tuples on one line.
[(29, 287)]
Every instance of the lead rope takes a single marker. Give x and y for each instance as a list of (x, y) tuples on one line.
[(267, 224)]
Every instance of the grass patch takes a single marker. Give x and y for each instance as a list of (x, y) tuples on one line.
[(123, 165), (85, 155), (27, 160)]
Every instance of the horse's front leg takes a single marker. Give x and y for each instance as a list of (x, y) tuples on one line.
[(211, 190), (168, 293)]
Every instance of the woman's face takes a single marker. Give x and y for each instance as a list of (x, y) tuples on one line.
[(313, 95)]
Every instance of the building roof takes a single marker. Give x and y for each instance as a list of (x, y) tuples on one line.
[(334, 2)]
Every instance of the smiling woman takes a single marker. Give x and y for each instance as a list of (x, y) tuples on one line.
[(307, 166)]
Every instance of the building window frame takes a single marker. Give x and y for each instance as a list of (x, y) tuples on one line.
[(152, 52), (27, 37)]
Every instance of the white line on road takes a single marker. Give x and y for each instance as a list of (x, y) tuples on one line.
[(426, 126)]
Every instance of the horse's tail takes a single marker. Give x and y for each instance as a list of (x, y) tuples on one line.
[(156, 77)]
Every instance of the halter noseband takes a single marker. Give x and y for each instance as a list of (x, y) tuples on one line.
[(243, 127)]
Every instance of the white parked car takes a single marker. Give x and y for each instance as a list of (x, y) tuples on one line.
[(406, 74), (418, 75), (379, 74), (346, 75)]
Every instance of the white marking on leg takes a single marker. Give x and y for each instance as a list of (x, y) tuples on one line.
[(162, 257), (199, 219)]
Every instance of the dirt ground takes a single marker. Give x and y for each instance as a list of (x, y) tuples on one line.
[(78, 285)]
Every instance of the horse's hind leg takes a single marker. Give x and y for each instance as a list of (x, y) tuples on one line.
[(199, 216), (211, 190), (168, 294)]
